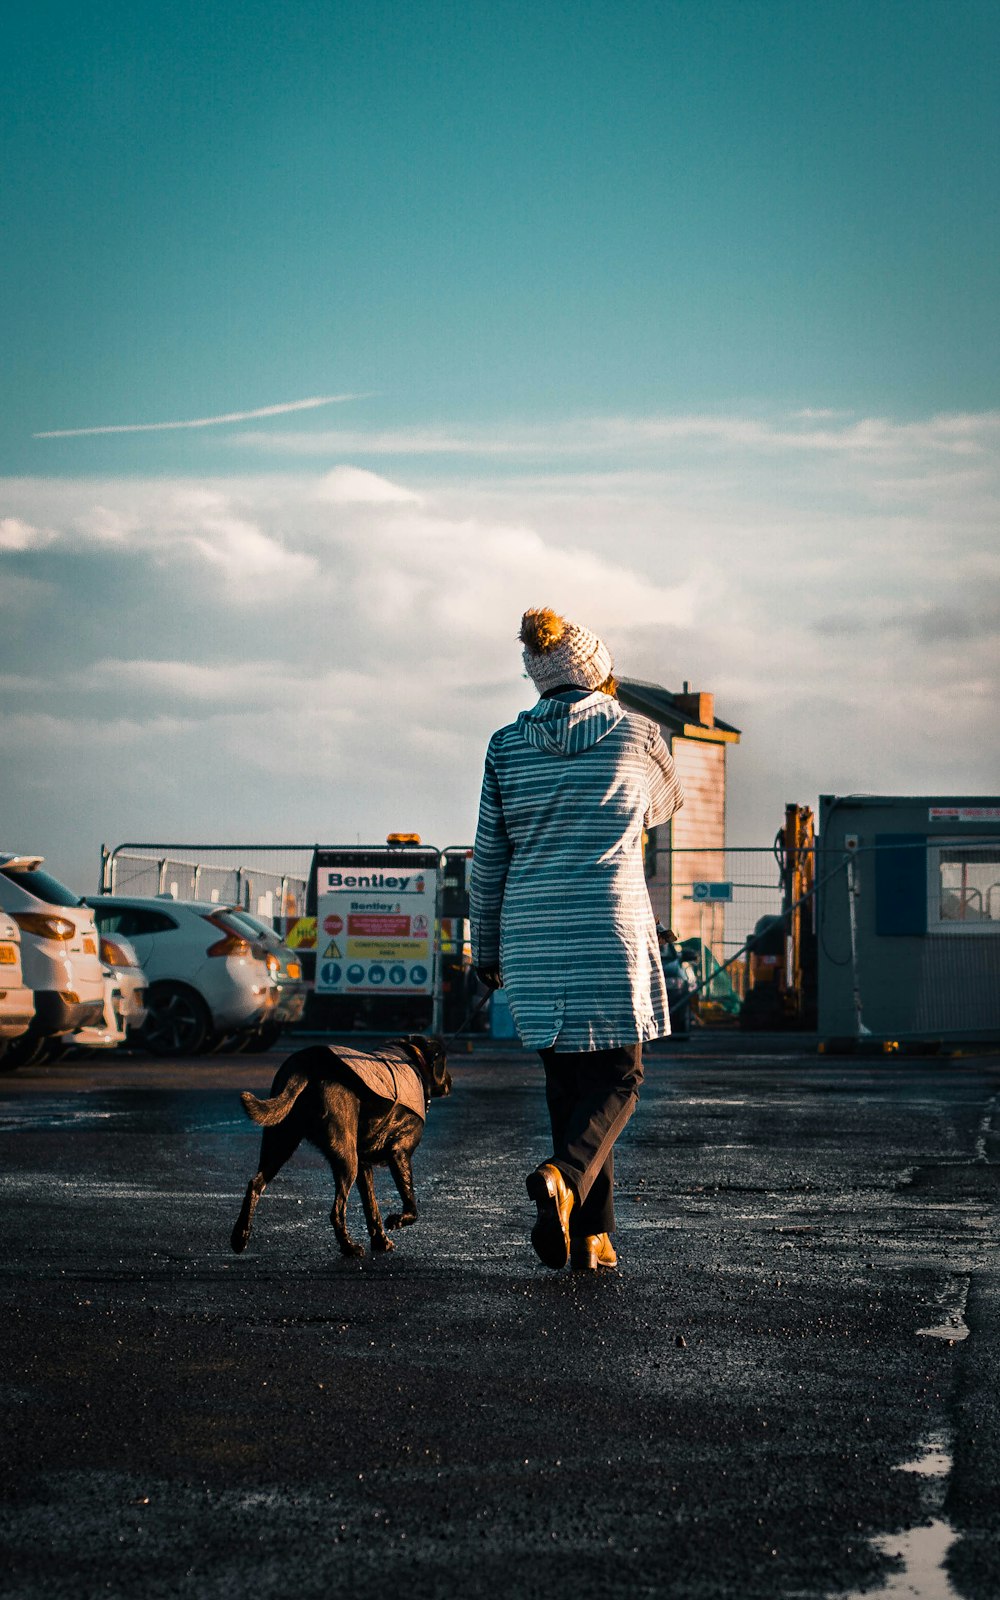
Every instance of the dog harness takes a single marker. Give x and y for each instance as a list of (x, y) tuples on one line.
[(389, 1074)]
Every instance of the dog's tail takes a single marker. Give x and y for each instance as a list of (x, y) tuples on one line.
[(267, 1112)]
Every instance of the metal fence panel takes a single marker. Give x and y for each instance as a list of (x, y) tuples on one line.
[(715, 900), (269, 880)]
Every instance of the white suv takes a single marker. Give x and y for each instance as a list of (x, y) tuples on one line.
[(206, 977), (17, 1003), (59, 953)]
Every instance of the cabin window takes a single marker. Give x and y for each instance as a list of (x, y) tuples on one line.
[(963, 887)]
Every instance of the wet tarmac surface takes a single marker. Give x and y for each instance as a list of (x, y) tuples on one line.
[(788, 1388)]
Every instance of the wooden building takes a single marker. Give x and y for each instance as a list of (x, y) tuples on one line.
[(698, 740)]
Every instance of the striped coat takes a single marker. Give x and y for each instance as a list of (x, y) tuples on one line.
[(558, 892)]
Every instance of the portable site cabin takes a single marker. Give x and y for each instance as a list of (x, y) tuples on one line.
[(698, 741), (908, 918)]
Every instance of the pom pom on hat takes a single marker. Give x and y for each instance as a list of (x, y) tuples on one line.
[(559, 652)]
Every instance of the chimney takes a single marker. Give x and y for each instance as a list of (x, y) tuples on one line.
[(698, 706)]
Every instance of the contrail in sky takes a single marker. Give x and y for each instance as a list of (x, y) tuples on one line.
[(201, 422)]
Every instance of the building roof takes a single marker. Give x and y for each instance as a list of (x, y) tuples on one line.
[(689, 715)]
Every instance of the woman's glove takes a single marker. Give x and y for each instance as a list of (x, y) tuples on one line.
[(490, 976)]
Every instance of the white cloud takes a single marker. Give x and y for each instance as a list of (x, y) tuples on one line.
[(200, 422), (957, 434), (383, 442), (349, 486), (18, 535), (188, 524), (186, 680), (73, 737), (14, 683), (206, 524)]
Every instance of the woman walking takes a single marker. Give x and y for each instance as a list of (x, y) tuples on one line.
[(561, 916)]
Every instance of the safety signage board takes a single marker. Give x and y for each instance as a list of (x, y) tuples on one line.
[(711, 891), (376, 928)]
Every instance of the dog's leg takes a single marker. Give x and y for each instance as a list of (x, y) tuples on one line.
[(345, 1170), (276, 1146), (402, 1173), (373, 1216)]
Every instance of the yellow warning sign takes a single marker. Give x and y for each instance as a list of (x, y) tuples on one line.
[(332, 951), (387, 949)]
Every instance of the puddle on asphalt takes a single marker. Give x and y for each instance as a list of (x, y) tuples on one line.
[(71, 1190), (952, 1301), (711, 1100), (922, 1550), (934, 1463), (54, 1119), (985, 1128)]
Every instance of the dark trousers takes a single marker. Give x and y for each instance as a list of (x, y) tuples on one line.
[(591, 1094)]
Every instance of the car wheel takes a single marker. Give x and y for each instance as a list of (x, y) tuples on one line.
[(263, 1039), (52, 1050), (177, 1021), (23, 1052)]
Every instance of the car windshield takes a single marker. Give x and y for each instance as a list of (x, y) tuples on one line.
[(245, 921), (43, 886)]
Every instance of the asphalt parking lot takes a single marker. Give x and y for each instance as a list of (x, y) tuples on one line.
[(787, 1389)]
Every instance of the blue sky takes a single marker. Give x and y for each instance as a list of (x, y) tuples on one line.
[(680, 315)]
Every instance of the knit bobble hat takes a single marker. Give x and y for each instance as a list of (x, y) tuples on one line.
[(558, 652)]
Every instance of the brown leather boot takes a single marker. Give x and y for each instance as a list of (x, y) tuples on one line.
[(554, 1199), (591, 1251)]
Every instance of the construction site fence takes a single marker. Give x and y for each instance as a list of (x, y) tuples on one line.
[(714, 901), (733, 912), (716, 894), (716, 897), (268, 880)]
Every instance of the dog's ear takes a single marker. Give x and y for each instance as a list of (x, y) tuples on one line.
[(434, 1057), (440, 1077), (437, 1055), (438, 1066)]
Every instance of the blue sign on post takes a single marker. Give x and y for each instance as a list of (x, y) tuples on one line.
[(711, 891)]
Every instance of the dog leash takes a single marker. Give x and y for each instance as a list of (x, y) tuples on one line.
[(469, 1019)]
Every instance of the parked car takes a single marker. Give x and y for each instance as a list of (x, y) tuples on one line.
[(205, 976), (293, 988), (59, 955), (17, 1002), (124, 998)]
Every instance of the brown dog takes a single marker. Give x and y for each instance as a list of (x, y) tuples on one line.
[(361, 1110)]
